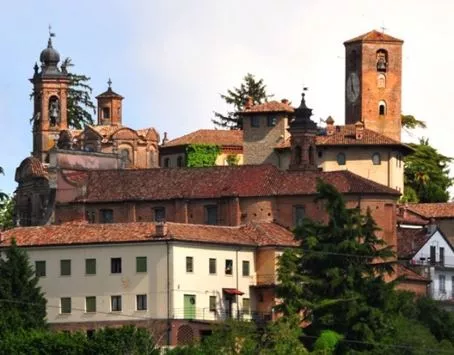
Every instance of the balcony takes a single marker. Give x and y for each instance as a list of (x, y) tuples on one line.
[(204, 314), (264, 280)]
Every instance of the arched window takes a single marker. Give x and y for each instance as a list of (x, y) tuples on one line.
[(180, 161), (376, 159), (382, 108), (341, 159), (382, 60), (54, 110), (297, 157), (105, 112), (381, 81)]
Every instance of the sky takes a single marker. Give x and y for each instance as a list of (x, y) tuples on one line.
[(171, 59)]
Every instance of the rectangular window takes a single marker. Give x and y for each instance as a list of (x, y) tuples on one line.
[(246, 306), (442, 283), (228, 266), (90, 266), (212, 266), (212, 303), (432, 254), (115, 303), (90, 304), (159, 214), (106, 216), (40, 268), (246, 270), (298, 215), (141, 264), (90, 216), (65, 267), (65, 305), (271, 121), (115, 265), (141, 301), (211, 215), (255, 121), (442, 256), (189, 264), (105, 112)]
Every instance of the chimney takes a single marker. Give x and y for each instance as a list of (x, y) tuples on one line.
[(161, 230), (165, 139), (284, 101), (359, 130), (249, 103), (329, 126)]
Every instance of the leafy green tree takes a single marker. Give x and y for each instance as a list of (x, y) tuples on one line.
[(426, 174), (282, 337), (79, 104), (7, 213), (336, 276), (236, 97), (200, 155), (3, 196), (22, 304), (410, 122)]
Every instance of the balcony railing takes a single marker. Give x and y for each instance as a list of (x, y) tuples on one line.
[(262, 280), (220, 315)]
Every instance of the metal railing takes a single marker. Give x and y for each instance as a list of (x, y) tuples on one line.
[(267, 279), (220, 314)]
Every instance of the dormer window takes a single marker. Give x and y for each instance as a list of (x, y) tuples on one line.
[(106, 113)]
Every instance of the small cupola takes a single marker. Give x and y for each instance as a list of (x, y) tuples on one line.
[(109, 107)]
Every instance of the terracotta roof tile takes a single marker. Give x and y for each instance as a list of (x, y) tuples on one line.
[(408, 274), (30, 168), (253, 234), (209, 136), (409, 241), (271, 106), (374, 36), (216, 182), (109, 93), (433, 210)]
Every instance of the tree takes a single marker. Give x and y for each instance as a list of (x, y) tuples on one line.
[(250, 87), (22, 304), (3, 196), (7, 213), (410, 122), (336, 276), (79, 103), (426, 174)]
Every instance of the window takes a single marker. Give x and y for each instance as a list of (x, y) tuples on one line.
[(246, 271), (212, 266), (65, 305), (159, 214), (271, 121), (90, 304), (246, 306), (211, 215), (166, 163), (90, 266), (382, 60), (442, 283), (115, 265), (442, 256), (189, 264), (382, 108), (255, 121), (141, 264), (319, 153), (298, 215), (106, 216), (341, 159), (212, 303), (180, 161), (105, 112), (141, 302), (65, 267), (381, 81), (376, 159), (398, 160), (90, 216), (432, 254), (115, 303), (40, 268), (228, 266)]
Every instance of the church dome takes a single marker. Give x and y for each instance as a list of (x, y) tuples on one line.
[(49, 56)]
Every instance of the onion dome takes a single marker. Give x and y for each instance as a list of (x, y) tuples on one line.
[(49, 57)]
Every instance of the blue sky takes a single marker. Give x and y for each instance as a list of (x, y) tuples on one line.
[(170, 59)]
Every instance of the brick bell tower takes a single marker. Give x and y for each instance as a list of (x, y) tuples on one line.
[(373, 82), (50, 90)]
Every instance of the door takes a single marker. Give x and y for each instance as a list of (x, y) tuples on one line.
[(189, 306)]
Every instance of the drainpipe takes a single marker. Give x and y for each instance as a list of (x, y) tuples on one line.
[(237, 285), (169, 323), (389, 169)]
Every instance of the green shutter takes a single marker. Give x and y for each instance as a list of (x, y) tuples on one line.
[(65, 267), (90, 266), (65, 305), (141, 264), (40, 268), (90, 304)]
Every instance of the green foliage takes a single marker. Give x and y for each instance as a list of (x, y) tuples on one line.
[(79, 104), (282, 337), (199, 155), (410, 122), (250, 87), (410, 195), (7, 213), (427, 173), (22, 304), (327, 342), (233, 159), (3, 196)]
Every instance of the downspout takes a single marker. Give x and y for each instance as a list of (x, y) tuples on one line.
[(237, 285), (389, 169), (169, 324)]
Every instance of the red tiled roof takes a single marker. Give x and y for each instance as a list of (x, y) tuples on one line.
[(271, 106), (209, 136), (218, 181), (412, 220), (345, 135), (433, 210), (410, 240), (30, 167), (109, 93), (409, 274), (252, 234), (374, 36)]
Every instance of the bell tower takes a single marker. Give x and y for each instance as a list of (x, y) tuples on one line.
[(50, 90), (109, 107), (373, 82)]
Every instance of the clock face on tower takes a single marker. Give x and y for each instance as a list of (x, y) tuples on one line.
[(352, 87)]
